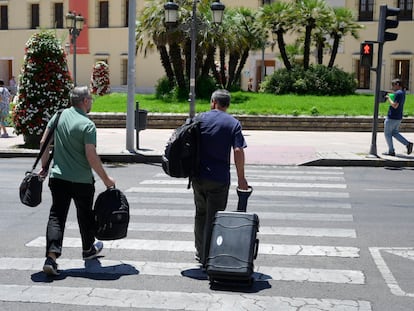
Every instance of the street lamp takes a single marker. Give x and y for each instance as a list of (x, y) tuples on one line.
[(75, 24), (171, 17)]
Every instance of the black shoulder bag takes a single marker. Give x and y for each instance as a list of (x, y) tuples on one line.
[(30, 189)]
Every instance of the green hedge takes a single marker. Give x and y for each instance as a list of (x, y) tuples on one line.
[(317, 80)]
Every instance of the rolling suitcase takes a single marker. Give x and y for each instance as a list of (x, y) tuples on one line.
[(233, 248)]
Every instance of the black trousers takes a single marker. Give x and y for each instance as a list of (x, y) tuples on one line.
[(62, 193), (209, 198)]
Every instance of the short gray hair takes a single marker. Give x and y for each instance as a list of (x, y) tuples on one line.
[(78, 95), (221, 97)]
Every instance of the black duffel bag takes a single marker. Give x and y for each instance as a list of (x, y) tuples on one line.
[(30, 189)]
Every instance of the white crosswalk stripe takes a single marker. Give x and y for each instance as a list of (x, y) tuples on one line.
[(162, 216), (142, 199), (263, 215), (126, 267), (287, 231), (170, 300), (188, 246), (304, 194), (253, 184)]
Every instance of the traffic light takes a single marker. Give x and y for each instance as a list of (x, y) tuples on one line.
[(367, 53), (385, 23)]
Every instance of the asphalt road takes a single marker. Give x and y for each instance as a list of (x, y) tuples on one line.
[(330, 239)]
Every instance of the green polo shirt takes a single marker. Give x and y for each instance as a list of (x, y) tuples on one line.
[(73, 132)]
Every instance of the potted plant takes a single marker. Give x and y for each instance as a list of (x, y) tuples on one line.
[(100, 79), (43, 88)]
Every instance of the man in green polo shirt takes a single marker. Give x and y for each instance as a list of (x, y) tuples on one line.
[(71, 177)]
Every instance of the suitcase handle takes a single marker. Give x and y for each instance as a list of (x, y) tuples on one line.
[(256, 249)]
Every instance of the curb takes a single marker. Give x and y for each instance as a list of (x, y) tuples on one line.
[(145, 157)]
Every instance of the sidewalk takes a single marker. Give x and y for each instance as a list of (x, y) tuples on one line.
[(264, 147)]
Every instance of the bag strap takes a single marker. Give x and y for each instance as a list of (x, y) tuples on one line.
[(46, 143)]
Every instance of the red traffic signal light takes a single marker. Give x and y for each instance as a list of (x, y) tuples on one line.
[(366, 54)]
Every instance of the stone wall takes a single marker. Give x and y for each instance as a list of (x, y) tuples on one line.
[(271, 123)]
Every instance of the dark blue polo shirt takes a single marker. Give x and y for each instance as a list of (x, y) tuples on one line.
[(219, 133)]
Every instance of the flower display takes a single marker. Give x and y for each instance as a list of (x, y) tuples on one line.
[(44, 84), (100, 79)]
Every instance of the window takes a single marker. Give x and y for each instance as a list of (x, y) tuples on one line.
[(406, 13), (58, 18), (4, 17), (126, 13), (364, 76), (366, 10), (35, 16), (402, 71), (103, 14), (124, 71)]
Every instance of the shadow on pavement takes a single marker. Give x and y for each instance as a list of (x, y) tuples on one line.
[(93, 270)]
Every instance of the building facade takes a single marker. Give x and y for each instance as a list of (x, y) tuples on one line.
[(105, 38)]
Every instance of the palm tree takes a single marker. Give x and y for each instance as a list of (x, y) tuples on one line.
[(344, 23), (310, 14), (277, 17), (243, 33)]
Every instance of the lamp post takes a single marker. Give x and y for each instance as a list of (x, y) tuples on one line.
[(171, 17), (74, 23)]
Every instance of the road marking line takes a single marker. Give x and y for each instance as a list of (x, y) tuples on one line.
[(263, 215), (129, 298), (253, 184), (188, 246), (128, 267), (284, 231), (386, 272), (297, 194)]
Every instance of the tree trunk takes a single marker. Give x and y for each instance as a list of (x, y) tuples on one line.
[(175, 53), (233, 60), (165, 61), (334, 50), (209, 61), (237, 76), (282, 49), (223, 66), (306, 49)]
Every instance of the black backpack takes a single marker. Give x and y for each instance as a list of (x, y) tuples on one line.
[(111, 215), (181, 157)]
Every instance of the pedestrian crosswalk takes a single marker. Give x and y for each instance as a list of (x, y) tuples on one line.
[(307, 237)]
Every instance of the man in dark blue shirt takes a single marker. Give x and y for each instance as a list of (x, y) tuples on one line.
[(393, 120), (220, 132)]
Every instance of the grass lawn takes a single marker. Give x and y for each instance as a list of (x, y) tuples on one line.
[(259, 104)]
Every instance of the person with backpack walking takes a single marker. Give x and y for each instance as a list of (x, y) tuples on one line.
[(4, 108), (220, 132), (71, 177), (393, 120)]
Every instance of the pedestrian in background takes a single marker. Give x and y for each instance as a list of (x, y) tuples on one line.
[(12, 86), (4, 108), (220, 132), (394, 117), (71, 177)]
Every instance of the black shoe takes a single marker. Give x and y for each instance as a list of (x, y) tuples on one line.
[(409, 148), (93, 252), (389, 154), (50, 267), (197, 257)]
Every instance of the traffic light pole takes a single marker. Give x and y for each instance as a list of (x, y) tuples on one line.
[(373, 149), (383, 36)]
